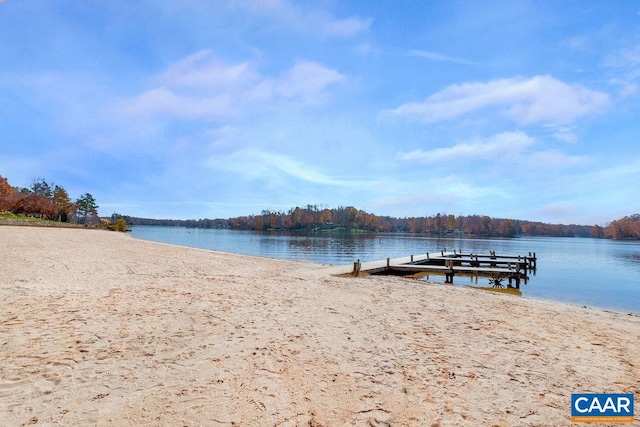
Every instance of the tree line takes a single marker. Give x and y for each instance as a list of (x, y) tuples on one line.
[(627, 228), (47, 201), (311, 217)]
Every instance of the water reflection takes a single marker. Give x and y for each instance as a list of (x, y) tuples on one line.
[(633, 258)]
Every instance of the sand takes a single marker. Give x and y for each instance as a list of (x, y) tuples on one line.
[(98, 328)]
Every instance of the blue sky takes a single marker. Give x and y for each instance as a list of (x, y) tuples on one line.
[(194, 109)]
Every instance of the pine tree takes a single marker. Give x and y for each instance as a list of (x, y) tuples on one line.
[(86, 207)]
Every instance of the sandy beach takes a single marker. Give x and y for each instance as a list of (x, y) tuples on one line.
[(98, 328)]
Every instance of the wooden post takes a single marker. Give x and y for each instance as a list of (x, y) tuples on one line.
[(535, 260)]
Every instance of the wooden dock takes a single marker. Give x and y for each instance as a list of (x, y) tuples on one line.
[(498, 267)]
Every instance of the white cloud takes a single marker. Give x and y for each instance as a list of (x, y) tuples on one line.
[(307, 80), (201, 87), (540, 99), (502, 146), (513, 148)]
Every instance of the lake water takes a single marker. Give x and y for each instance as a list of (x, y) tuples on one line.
[(592, 272)]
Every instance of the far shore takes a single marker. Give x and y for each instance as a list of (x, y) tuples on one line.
[(99, 328)]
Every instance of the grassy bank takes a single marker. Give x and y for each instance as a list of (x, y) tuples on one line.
[(9, 218)]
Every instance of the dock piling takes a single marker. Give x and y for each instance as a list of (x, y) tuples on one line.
[(356, 268)]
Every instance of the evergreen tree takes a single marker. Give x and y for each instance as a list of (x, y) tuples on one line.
[(86, 207)]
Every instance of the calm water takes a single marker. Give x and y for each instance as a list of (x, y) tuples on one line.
[(591, 272)]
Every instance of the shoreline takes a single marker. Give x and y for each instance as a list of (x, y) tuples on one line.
[(338, 270), (344, 269), (109, 329)]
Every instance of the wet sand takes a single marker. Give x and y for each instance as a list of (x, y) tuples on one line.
[(98, 328)]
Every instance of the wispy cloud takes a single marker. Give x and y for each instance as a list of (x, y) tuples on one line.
[(200, 70), (307, 19), (165, 102), (579, 43), (448, 192), (626, 64), (623, 57), (550, 159), (559, 210), (563, 133), (255, 164), (437, 57), (347, 27), (540, 99)]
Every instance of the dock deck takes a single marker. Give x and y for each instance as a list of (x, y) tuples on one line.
[(511, 267)]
